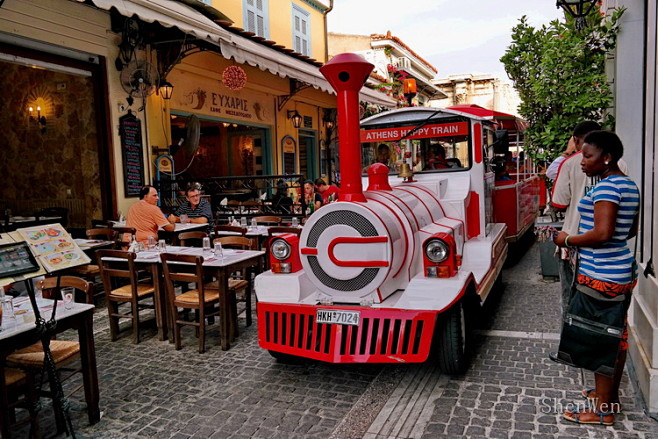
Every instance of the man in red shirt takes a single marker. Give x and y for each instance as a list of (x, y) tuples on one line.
[(146, 217), (327, 190)]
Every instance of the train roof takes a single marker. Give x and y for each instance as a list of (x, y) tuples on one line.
[(474, 112), (414, 114)]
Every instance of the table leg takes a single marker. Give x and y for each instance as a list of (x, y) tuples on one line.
[(160, 302), (225, 313), (89, 371), (6, 419)]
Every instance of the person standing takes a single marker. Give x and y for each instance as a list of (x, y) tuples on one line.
[(329, 192), (197, 209), (608, 218), (569, 187), (146, 217)]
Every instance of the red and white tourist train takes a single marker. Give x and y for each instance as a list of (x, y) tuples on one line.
[(386, 274)]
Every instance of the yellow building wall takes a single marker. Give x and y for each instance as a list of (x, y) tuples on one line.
[(280, 22)]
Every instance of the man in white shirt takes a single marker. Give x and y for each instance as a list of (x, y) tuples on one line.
[(551, 172)]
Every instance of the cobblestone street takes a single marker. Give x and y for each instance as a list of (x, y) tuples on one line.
[(511, 389)]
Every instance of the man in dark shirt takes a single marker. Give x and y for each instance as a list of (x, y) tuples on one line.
[(196, 208)]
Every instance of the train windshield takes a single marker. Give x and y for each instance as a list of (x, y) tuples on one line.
[(430, 148)]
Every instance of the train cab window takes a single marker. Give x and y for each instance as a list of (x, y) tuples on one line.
[(429, 154)]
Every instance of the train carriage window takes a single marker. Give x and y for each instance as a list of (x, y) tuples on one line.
[(430, 154)]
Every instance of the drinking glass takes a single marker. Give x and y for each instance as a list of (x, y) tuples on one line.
[(254, 224), (184, 219), (151, 243), (295, 221), (162, 246), (243, 221), (219, 252), (67, 296), (206, 247), (8, 307)]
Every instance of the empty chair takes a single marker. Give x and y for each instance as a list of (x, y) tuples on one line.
[(270, 220), (251, 206), (20, 393), (121, 238), (61, 212), (64, 352), (204, 299), (123, 268), (90, 271), (192, 239), (238, 281), (230, 231)]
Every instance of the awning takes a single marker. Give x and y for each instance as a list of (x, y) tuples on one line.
[(504, 120), (244, 50), (171, 13)]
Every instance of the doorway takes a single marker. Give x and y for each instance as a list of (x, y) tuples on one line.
[(308, 154)]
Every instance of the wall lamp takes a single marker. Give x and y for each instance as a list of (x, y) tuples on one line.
[(328, 120), (166, 90), (578, 9), (41, 120), (295, 117)]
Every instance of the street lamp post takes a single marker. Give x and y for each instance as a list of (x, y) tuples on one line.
[(578, 9)]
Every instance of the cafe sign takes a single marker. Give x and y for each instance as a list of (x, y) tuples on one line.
[(200, 95)]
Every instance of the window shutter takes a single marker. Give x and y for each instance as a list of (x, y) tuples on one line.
[(256, 17), (301, 30)]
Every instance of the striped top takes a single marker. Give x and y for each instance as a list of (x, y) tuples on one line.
[(613, 260), (202, 209)]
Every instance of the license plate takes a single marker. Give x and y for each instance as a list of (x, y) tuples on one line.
[(338, 317)]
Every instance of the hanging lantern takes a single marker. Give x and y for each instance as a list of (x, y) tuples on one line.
[(234, 77)]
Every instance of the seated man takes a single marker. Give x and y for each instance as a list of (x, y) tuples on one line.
[(146, 217), (437, 158), (499, 166), (197, 209), (327, 190)]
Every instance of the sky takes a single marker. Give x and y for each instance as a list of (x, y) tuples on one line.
[(455, 36)]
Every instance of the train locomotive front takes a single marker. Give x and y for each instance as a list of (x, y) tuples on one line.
[(383, 273)]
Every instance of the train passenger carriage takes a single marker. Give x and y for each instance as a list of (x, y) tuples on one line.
[(387, 272)]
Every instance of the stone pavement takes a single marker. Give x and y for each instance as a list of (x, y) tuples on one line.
[(511, 389)]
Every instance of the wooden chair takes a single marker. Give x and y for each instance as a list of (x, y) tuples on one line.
[(20, 394), (91, 271), (204, 299), (281, 230), (120, 242), (61, 212), (251, 206), (188, 239), (64, 352), (238, 281), (233, 206), (134, 293), (268, 220), (232, 231)]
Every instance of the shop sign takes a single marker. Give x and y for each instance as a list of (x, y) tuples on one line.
[(211, 97)]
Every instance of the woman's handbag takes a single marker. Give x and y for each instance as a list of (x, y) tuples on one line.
[(592, 330)]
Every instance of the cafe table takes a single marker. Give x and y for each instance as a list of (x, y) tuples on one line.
[(178, 228), (20, 332), (220, 267)]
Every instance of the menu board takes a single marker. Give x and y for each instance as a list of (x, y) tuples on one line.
[(130, 131), (15, 259), (53, 247)]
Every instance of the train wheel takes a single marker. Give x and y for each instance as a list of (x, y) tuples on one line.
[(286, 358), (451, 340)]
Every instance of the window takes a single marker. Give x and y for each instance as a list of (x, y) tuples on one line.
[(207, 2), (255, 13), (301, 30)]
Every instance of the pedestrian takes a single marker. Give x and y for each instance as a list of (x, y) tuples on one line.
[(551, 172), (146, 217), (569, 187), (608, 218)]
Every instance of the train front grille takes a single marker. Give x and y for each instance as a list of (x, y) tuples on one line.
[(382, 336)]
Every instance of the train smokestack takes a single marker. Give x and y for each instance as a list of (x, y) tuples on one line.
[(347, 73)]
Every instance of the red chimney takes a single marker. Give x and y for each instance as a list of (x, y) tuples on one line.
[(347, 73)]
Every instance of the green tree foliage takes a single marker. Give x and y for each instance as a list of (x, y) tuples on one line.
[(559, 73)]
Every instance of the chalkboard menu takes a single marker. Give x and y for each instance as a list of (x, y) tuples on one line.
[(130, 130)]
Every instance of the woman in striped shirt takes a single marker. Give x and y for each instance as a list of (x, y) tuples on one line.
[(608, 218)]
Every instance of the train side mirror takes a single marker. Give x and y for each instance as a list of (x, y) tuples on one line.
[(501, 142)]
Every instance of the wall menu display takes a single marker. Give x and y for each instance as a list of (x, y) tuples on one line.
[(289, 149), (130, 131)]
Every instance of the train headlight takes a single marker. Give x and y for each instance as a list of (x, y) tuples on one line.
[(280, 249), (436, 250)]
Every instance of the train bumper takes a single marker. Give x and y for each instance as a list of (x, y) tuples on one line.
[(373, 335)]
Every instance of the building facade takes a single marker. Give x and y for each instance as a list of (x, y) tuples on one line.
[(486, 91), (633, 73)]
